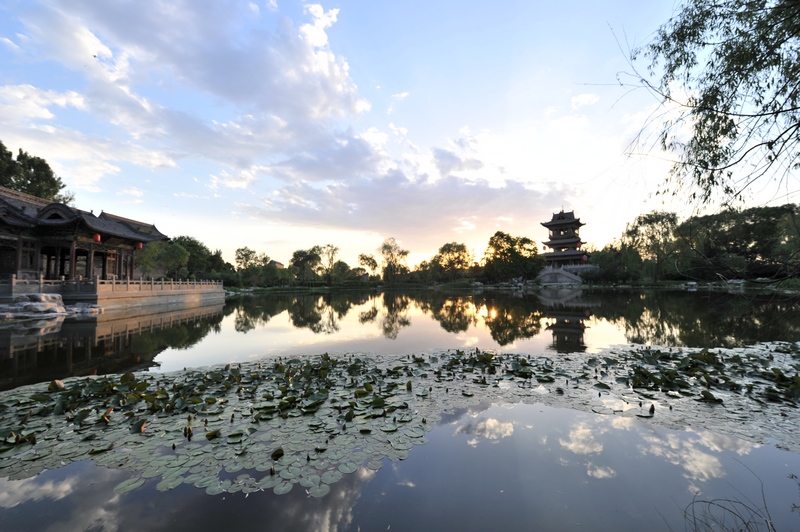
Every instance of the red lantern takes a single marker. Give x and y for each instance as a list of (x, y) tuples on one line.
[(544, 247), (138, 245), (585, 258), (96, 237)]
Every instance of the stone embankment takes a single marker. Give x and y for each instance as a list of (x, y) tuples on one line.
[(31, 306)]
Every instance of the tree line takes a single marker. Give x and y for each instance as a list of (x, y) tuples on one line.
[(506, 258), (755, 243)]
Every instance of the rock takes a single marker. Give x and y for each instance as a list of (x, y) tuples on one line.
[(43, 307)]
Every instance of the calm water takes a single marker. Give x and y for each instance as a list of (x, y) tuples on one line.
[(250, 328), (489, 467)]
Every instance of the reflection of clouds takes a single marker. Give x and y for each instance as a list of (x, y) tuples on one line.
[(490, 429), (600, 472), (14, 492), (698, 466), (85, 489), (86, 502), (622, 423), (581, 440), (723, 442), (468, 341)]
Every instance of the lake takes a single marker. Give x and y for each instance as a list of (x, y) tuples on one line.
[(471, 411)]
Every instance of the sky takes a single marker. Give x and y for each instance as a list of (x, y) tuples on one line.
[(280, 125)]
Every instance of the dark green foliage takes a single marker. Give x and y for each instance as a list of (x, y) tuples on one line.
[(618, 263), (756, 242), (31, 175), (509, 257)]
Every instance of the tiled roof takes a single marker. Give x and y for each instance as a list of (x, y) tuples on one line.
[(25, 211)]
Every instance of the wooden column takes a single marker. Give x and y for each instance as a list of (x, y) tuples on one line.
[(73, 260)]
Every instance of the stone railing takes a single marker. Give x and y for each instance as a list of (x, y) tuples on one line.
[(12, 286)]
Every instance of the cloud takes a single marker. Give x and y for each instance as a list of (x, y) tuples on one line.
[(416, 208), (489, 429), (343, 159), (10, 44), (582, 440), (270, 90), (132, 191), (240, 179), (448, 162), (400, 96), (582, 100)]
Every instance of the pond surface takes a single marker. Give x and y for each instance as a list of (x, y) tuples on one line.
[(528, 451)]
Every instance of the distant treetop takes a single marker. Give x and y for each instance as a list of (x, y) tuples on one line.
[(31, 175)]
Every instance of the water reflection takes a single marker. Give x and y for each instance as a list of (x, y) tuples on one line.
[(246, 328), (40, 350), (498, 467)]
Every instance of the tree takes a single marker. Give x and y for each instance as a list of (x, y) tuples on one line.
[(31, 175), (169, 256), (454, 259), (369, 262), (341, 272), (651, 235), (509, 257), (173, 258), (394, 258), (245, 257), (755, 242), (328, 254), (617, 263), (304, 262), (199, 255), (738, 64)]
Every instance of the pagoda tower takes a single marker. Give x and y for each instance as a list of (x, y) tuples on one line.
[(563, 247)]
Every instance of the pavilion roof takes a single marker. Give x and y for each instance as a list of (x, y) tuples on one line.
[(29, 212)]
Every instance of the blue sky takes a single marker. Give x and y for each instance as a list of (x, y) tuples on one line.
[(280, 125)]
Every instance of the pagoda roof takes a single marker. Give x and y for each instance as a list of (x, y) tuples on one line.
[(563, 218), (565, 241), (24, 211)]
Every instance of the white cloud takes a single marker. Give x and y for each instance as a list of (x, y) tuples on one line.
[(582, 100), (281, 89), (415, 208), (8, 42), (240, 179), (132, 191), (22, 104)]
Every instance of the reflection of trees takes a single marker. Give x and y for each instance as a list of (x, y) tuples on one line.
[(252, 312), (508, 317), (714, 319), (318, 313), (396, 306), (454, 313), (179, 336), (508, 324), (322, 313)]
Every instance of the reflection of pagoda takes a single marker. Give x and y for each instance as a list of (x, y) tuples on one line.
[(565, 241), (566, 312), (568, 329)]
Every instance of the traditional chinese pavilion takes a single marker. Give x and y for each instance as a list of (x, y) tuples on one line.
[(39, 238), (563, 247)]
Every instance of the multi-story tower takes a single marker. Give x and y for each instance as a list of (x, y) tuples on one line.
[(563, 247)]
